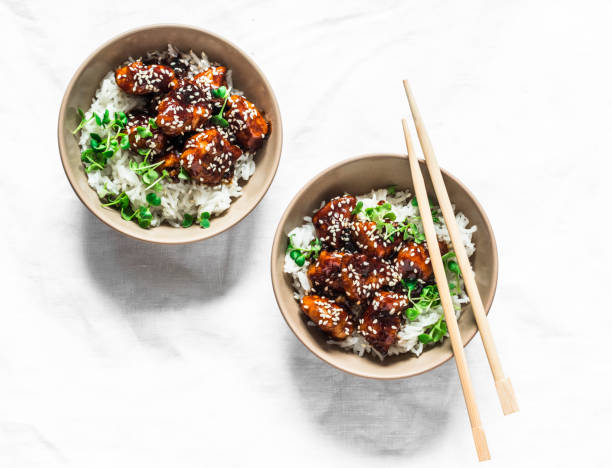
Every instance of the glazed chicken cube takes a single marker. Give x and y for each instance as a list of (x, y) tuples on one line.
[(209, 158), (246, 122), (363, 275), (213, 77), (171, 162), (328, 316), (184, 109), (371, 241), (142, 136), (382, 320), (332, 222), (390, 303), (138, 78), (324, 274), (413, 261)]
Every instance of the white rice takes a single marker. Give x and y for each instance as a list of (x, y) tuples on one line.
[(177, 198), (408, 335)]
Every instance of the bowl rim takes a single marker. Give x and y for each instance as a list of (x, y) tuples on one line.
[(63, 151), (278, 276)]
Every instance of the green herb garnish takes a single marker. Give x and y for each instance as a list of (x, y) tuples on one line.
[(84, 120), (391, 190), (153, 199), (299, 255), (205, 219), (187, 220), (435, 333), (102, 149), (221, 92), (357, 208), (183, 174), (412, 313), (144, 216), (383, 216), (144, 132), (451, 265)]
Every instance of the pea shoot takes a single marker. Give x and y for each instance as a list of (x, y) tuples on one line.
[(102, 149), (153, 199), (84, 120), (451, 265), (183, 174), (384, 218), (187, 220), (224, 93), (391, 190), (435, 333), (299, 255), (205, 220), (429, 297), (358, 208)]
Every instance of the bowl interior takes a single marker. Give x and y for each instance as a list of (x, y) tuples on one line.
[(246, 76), (360, 175)]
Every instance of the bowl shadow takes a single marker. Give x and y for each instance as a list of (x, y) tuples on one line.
[(139, 275), (385, 418)]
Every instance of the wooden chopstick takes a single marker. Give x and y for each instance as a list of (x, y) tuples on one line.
[(480, 440), (503, 385)]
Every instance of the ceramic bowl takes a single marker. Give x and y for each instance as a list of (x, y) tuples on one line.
[(246, 76), (356, 176)]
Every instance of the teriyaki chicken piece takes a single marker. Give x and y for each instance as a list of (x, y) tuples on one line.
[(246, 122), (325, 274), (142, 135), (140, 79), (382, 320), (328, 316), (184, 109), (209, 158), (213, 77), (369, 240), (364, 275), (332, 222)]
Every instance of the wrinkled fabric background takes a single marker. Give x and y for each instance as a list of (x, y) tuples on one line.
[(118, 353)]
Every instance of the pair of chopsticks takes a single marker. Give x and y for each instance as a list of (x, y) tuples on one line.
[(502, 383)]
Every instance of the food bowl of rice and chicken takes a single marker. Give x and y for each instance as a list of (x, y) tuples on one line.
[(352, 275), (169, 134)]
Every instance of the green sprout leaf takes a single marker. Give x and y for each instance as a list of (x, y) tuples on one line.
[(183, 174), (205, 220), (391, 190), (299, 256), (84, 120), (219, 120), (144, 132), (153, 199), (187, 220), (412, 313), (425, 338), (219, 92), (357, 208), (124, 142)]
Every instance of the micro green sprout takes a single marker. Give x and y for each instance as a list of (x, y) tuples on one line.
[(299, 255)]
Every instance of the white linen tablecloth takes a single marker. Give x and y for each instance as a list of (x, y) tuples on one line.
[(118, 353)]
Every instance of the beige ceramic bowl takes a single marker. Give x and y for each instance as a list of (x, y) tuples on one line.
[(247, 77), (356, 176)]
